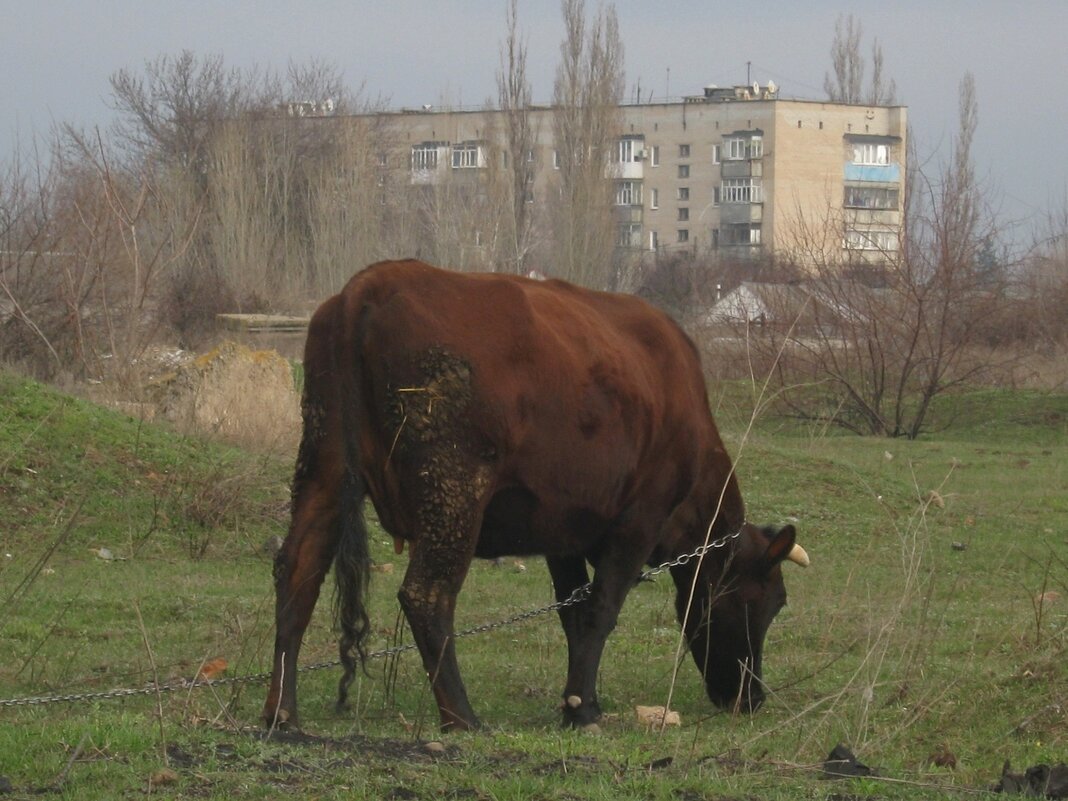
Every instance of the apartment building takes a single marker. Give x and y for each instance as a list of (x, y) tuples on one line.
[(736, 170)]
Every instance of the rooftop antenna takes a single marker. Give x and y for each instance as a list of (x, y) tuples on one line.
[(748, 69), (667, 87)]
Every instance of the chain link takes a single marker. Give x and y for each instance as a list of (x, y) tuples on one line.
[(579, 595)]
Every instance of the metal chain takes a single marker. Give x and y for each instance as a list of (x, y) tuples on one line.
[(579, 595)]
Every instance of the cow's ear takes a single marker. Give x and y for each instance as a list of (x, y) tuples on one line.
[(784, 546)]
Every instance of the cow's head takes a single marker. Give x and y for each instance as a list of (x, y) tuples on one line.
[(737, 594)]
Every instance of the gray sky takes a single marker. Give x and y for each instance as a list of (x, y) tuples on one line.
[(56, 56)]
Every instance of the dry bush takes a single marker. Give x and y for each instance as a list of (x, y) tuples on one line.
[(190, 304), (1023, 366), (239, 395)]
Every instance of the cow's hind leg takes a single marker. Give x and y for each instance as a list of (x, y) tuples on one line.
[(299, 570), (449, 516)]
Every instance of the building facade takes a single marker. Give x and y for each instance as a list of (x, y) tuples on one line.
[(739, 171)]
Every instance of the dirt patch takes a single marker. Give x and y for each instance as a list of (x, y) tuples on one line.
[(240, 395)]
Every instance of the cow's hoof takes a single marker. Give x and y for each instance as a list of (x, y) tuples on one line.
[(279, 719), (580, 715), (459, 724)]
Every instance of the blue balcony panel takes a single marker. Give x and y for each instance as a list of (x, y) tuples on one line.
[(883, 173)]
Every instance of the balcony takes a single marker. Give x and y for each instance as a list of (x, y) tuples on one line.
[(737, 213), (625, 171), (882, 173), (742, 169)]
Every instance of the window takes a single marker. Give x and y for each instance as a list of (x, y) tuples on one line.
[(860, 239), (629, 150), (739, 148), (684, 171), (735, 149), (654, 198), (425, 156), (742, 190), (654, 240), (684, 151), (682, 193), (556, 159), (467, 155), (742, 234), (684, 214), (654, 156), (630, 235), (683, 235), (870, 197), (530, 156), (715, 153), (715, 195), (870, 153), (628, 193)]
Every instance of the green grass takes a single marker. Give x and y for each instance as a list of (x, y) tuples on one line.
[(915, 629)]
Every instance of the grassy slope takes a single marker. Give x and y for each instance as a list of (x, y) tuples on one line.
[(895, 641)]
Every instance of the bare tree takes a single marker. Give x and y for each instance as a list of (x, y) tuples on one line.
[(357, 209), (86, 251), (514, 97), (172, 111), (882, 91), (1040, 318), (845, 82), (460, 223), (31, 319), (249, 242), (320, 82), (130, 238), (587, 93)]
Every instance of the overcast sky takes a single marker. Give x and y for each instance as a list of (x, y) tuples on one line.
[(56, 56)]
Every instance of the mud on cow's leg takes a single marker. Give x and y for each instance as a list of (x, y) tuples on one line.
[(444, 480), (450, 513)]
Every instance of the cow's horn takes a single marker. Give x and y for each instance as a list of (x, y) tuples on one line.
[(798, 556)]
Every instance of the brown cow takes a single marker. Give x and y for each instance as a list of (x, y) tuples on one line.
[(490, 415)]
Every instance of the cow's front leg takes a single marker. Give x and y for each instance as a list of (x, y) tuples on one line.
[(580, 693), (589, 623)]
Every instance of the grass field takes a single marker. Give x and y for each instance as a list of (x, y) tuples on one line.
[(931, 627)]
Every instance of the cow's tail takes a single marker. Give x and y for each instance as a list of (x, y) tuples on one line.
[(352, 564)]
